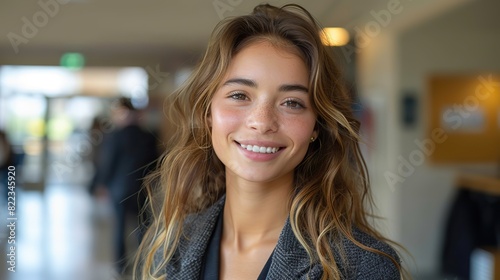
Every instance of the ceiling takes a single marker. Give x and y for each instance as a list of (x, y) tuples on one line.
[(32, 33)]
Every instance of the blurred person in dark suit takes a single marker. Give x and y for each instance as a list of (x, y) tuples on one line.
[(126, 156), (97, 129), (6, 160)]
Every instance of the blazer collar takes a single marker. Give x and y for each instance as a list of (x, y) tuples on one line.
[(289, 261), (198, 228)]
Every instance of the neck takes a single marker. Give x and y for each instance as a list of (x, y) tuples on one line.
[(255, 212), (128, 119)]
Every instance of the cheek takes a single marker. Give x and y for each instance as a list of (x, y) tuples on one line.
[(224, 121), (301, 129)]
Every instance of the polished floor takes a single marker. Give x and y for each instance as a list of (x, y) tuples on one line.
[(62, 233)]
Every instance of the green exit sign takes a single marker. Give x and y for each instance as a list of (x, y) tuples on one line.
[(72, 60)]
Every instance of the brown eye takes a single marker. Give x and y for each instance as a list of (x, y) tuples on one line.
[(238, 96), (293, 104)]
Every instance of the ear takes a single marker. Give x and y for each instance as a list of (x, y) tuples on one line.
[(315, 134)]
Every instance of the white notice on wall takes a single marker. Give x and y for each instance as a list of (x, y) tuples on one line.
[(457, 119)]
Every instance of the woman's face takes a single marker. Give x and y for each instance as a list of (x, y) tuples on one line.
[(261, 115)]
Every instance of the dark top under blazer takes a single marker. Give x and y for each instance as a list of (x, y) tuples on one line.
[(289, 260), (211, 260)]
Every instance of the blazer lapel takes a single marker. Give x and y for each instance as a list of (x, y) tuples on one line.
[(198, 228), (290, 260)]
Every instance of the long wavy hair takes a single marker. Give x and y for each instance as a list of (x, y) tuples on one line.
[(331, 183)]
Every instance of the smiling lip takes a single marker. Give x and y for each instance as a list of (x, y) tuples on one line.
[(261, 149)]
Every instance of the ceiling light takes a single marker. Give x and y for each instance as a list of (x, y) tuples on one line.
[(334, 36)]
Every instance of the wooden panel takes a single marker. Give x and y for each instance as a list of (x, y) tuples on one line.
[(467, 108)]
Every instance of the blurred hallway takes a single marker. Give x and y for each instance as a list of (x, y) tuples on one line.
[(399, 55), (62, 234)]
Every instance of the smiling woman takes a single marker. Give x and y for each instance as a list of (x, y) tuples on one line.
[(264, 178), (262, 105)]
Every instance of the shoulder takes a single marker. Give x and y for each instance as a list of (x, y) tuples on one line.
[(196, 231), (132, 129), (366, 264), (204, 219), (291, 260)]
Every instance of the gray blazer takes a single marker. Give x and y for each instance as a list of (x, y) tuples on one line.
[(289, 261)]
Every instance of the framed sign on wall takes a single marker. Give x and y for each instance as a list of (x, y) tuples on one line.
[(465, 108)]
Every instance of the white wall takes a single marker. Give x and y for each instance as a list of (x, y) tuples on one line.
[(460, 39), (378, 88), (465, 40)]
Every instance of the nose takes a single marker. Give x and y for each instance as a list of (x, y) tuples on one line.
[(263, 118)]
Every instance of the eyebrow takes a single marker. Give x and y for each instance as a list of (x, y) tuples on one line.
[(253, 84), (241, 81)]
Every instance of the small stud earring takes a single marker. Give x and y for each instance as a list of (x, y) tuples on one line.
[(312, 139)]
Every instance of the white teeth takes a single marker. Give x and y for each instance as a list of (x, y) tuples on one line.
[(262, 150)]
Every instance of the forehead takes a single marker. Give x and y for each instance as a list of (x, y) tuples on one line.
[(276, 42), (264, 59)]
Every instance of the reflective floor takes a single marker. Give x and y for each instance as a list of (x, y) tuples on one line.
[(62, 233)]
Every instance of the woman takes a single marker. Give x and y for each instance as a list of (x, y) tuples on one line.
[(264, 178)]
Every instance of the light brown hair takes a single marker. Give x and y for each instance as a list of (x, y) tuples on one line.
[(331, 183)]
